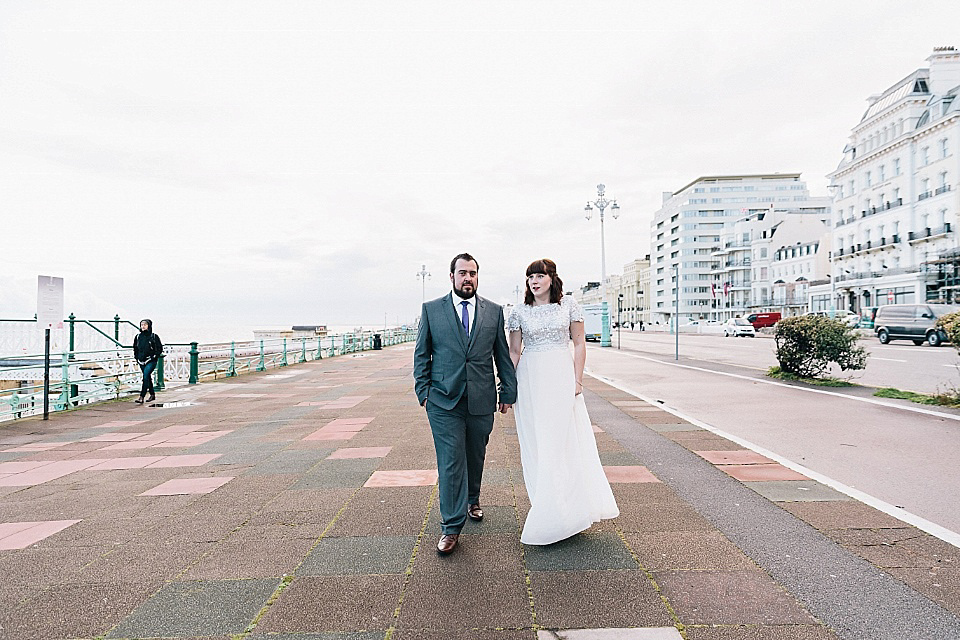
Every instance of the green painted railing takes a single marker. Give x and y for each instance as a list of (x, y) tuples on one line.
[(83, 377)]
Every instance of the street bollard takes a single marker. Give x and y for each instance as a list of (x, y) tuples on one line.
[(194, 363), (159, 385)]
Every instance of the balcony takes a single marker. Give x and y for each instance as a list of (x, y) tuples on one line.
[(924, 195), (942, 189), (928, 233), (840, 223)]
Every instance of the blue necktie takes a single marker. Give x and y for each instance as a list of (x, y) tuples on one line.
[(465, 318)]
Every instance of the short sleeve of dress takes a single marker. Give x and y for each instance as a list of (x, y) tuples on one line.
[(576, 311), (513, 321)]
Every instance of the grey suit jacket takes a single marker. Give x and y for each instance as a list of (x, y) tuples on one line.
[(446, 364)]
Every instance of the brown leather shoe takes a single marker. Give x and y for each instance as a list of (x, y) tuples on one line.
[(474, 512), (447, 544)]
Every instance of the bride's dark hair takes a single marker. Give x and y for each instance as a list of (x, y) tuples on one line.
[(547, 267)]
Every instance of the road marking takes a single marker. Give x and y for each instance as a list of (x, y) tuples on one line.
[(948, 416), (886, 359), (923, 524)]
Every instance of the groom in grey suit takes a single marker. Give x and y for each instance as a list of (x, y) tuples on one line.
[(461, 336)]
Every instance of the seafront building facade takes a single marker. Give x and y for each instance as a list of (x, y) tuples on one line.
[(706, 232), (897, 196), (629, 290)]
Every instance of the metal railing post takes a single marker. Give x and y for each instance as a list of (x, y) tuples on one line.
[(194, 363), (283, 362), (159, 386), (261, 366), (303, 350), (74, 389), (319, 352), (116, 327), (64, 401), (232, 371)]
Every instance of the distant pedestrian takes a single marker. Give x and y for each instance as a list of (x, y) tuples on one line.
[(641, 325), (147, 350)]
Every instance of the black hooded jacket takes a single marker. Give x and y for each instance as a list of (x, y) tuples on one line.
[(147, 346)]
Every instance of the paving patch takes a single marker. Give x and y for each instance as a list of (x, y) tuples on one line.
[(361, 555), (197, 609), (582, 552)]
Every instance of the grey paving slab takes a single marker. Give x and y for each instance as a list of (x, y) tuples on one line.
[(338, 473), (582, 552), (334, 603), (796, 491), (687, 550), (362, 555), (593, 599), (679, 426), (651, 633), (290, 461), (618, 459), (497, 519), (435, 600), (729, 597), (388, 511), (464, 634), (197, 609), (333, 635)]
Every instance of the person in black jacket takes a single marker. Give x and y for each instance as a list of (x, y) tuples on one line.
[(147, 349)]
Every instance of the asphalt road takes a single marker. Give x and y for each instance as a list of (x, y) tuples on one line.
[(900, 364), (897, 452)]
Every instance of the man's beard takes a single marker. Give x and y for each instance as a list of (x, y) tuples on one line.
[(463, 294)]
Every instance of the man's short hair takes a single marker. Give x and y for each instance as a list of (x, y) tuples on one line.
[(463, 256)]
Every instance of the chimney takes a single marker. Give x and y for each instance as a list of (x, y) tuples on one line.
[(944, 70)]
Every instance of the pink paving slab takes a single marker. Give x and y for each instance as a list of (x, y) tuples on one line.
[(760, 472), (37, 446), (19, 466), (629, 474), (126, 463), (115, 437), (596, 429), (195, 460), (744, 456), (359, 452), (119, 423), (183, 486), (20, 535), (405, 478), (46, 473), (330, 435)]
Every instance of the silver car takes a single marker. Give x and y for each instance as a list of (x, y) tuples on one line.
[(738, 327)]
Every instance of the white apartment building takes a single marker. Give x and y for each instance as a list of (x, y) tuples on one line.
[(896, 196), (696, 233)]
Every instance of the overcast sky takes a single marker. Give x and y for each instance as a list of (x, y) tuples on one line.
[(277, 163)]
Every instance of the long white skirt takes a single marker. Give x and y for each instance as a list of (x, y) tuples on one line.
[(561, 467)]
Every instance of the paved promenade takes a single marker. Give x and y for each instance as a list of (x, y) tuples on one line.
[(300, 504)]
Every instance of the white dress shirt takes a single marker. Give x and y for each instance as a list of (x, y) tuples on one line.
[(471, 309)]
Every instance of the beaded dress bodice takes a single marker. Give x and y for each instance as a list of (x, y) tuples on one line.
[(545, 327)]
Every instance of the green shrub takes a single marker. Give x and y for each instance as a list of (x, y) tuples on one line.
[(807, 345), (950, 323)]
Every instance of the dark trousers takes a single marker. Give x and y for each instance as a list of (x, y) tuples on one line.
[(461, 443), (147, 386)]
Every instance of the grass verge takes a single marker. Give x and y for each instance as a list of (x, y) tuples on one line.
[(940, 399), (775, 372)]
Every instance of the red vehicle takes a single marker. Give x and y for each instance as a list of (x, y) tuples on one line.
[(760, 320)]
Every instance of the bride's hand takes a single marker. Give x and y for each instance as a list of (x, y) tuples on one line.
[(579, 388)]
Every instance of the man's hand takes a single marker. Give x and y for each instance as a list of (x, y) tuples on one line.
[(504, 407)]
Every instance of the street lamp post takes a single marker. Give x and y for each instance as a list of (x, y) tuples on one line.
[(602, 203), (423, 274), (676, 313), (516, 291)]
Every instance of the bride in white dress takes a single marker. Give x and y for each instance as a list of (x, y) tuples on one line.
[(561, 467)]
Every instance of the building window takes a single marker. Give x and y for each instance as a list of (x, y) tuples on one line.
[(869, 178), (944, 149), (853, 187), (924, 156), (882, 173), (896, 166)]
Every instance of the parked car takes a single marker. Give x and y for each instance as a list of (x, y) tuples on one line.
[(914, 322), (846, 315), (761, 320), (738, 327)]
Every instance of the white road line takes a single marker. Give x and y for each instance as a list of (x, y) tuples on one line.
[(923, 524), (947, 416), (886, 359)]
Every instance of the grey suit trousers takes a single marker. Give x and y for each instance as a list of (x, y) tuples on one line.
[(461, 443)]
